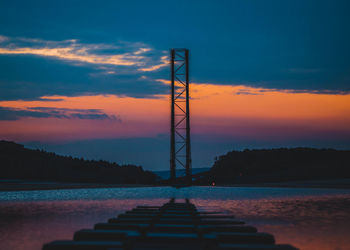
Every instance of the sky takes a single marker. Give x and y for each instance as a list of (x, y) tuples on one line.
[(91, 78)]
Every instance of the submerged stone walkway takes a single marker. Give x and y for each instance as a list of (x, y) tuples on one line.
[(171, 226)]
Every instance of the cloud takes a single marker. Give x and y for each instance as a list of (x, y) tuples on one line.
[(141, 51), (50, 99), (164, 62), (30, 76), (32, 68), (246, 93), (73, 54), (121, 54), (304, 91), (249, 89), (91, 116), (12, 114)]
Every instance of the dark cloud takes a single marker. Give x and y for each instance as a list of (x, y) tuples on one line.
[(247, 93), (11, 114), (93, 116)]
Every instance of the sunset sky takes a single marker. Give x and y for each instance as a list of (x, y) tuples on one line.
[(91, 78)]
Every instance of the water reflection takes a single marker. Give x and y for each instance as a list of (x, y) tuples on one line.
[(27, 225), (307, 218), (310, 222)]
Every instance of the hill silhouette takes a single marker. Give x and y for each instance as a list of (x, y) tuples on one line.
[(277, 165), (18, 162)]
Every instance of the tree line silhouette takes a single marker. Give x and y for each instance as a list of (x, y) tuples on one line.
[(18, 162), (277, 165)]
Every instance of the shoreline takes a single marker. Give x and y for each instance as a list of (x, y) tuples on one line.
[(330, 183), (25, 185)]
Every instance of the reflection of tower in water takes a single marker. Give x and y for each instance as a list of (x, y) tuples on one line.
[(173, 225)]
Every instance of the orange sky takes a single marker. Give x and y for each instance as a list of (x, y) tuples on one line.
[(224, 110)]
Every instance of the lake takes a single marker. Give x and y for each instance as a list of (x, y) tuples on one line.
[(306, 218)]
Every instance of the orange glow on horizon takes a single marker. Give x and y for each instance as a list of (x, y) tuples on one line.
[(216, 109)]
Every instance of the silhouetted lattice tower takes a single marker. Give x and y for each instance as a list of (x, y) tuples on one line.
[(180, 140)]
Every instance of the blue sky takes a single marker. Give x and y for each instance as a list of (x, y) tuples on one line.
[(60, 48)]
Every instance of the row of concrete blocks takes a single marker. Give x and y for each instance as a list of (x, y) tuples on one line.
[(171, 226)]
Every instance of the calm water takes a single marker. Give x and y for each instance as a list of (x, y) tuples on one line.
[(307, 218)]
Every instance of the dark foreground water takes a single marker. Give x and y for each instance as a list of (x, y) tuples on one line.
[(307, 218)]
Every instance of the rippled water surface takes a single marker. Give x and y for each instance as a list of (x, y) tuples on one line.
[(306, 218)]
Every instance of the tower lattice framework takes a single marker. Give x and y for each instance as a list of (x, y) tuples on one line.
[(180, 145)]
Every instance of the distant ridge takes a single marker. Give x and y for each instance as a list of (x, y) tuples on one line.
[(278, 165), (18, 162), (165, 174)]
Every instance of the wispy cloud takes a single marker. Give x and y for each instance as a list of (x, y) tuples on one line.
[(11, 114), (164, 61), (246, 93), (81, 55), (247, 89), (141, 51), (121, 54)]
